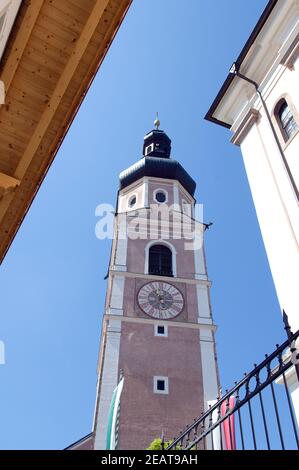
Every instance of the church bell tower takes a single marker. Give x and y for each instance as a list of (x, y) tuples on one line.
[(157, 365)]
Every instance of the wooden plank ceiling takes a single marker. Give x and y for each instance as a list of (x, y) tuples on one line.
[(53, 53)]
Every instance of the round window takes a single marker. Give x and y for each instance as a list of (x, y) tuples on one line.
[(160, 196), (132, 201)]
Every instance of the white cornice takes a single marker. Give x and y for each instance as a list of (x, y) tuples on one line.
[(151, 321), (157, 180), (148, 277)]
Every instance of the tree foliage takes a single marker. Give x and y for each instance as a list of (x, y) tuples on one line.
[(156, 444)]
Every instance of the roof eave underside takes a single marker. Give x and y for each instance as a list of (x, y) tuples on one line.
[(230, 77)]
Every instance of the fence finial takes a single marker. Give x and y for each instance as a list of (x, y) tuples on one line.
[(286, 324)]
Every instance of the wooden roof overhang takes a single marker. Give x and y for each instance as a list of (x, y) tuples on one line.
[(53, 53)]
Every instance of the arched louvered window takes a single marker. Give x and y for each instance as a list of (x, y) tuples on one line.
[(286, 120), (160, 260)]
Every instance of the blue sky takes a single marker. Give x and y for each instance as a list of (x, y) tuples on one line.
[(171, 56)]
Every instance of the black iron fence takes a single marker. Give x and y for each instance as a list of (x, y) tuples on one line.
[(259, 412)]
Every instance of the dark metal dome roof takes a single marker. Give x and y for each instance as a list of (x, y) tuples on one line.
[(158, 168)]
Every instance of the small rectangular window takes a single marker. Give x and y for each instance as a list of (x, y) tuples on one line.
[(161, 330), (161, 385), (149, 149)]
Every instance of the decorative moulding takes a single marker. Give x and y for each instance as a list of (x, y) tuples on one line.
[(169, 323), (250, 119), (291, 54)]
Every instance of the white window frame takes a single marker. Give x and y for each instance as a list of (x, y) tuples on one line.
[(163, 335), (161, 392), (161, 190), (150, 148), (161, 242), (129, 201)]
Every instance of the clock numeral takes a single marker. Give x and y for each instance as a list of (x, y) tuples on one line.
[(163, 314), (155, 285), (176, 308), (167, 287), (169, 314), (148, 308)]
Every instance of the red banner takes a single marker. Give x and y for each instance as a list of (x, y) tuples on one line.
[(228, 425)]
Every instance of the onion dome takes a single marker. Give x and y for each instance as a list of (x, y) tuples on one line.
[(156, 162)]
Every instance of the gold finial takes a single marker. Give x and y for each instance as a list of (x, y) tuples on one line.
[(156, 121)]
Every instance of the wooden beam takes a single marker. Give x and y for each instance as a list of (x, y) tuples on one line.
[(6, 197), (62, 84), (20, 43), (7, 181), (7, 189)]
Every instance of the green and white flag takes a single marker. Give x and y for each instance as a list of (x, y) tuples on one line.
[(112, 429)]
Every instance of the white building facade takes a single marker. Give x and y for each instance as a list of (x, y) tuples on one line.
[(265, 124), (259, 103)]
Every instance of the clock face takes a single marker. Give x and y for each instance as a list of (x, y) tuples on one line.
[(160, 300)]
